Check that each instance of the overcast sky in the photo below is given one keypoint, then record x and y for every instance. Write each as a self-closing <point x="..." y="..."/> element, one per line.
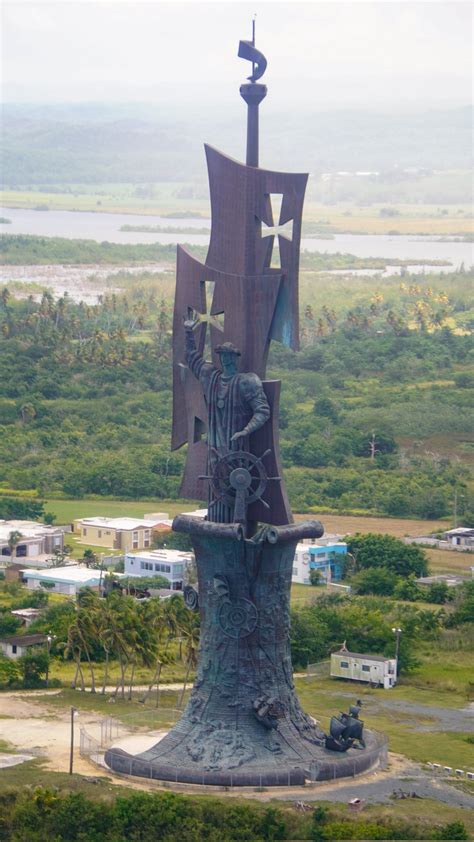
<point x="322" y="54"/>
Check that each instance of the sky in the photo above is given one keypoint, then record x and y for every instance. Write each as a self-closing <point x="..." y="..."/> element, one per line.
<point x="320" y="54"/>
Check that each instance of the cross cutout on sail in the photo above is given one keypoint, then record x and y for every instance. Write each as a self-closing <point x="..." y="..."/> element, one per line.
<point x="276" y="231"/>
<point x="207" y="317"/>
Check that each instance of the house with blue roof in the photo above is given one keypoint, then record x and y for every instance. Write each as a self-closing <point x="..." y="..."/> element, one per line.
<point x="327" y="556"/>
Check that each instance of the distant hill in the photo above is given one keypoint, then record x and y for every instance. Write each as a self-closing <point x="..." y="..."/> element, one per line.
<point x="73" y="144"/>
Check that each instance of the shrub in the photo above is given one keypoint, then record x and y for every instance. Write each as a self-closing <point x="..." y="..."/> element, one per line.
<point x="376" y="581"/>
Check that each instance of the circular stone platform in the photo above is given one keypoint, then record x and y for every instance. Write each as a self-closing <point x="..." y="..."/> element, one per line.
<point x="135" y="756"/>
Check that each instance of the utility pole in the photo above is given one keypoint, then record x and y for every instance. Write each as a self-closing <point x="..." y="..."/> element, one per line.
<point x="48" y="643"/>
<point x="397" y="645"/>
<point x="71" y="750"/>
<point x="101" y="556"/>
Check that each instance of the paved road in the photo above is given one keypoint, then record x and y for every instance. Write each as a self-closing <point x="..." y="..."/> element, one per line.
<point x="381" y="787"/>
<point x="442" y="719"/>
<point x="439" y="718"/>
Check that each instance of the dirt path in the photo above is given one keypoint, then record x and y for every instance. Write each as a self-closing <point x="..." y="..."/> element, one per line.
<point x="34" y="728"/>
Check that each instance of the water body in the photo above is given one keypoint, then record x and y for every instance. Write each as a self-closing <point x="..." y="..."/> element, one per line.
<point x="106" y="226"/>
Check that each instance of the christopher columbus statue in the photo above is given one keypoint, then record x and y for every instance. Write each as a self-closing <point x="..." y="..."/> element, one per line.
<point x="236" y="406"/>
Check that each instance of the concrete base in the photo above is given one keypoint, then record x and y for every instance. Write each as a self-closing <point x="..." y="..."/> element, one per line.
<point x="243" y="724"/>
<point x="135" y="756"/>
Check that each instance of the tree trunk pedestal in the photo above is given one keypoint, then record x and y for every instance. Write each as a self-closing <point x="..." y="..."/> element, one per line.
<point x="243" y="724"/>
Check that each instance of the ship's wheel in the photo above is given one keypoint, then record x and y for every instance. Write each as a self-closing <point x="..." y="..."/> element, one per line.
<point x="238" y="479"/>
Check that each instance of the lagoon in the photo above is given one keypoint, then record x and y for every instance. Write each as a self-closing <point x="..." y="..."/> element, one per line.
<point x="106" y="227"/>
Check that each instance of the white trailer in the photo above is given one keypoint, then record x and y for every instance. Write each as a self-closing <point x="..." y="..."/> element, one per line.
<point x="376" y="670"/>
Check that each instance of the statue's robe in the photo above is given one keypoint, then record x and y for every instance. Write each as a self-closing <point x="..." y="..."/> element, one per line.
<point x="233" y="404"/>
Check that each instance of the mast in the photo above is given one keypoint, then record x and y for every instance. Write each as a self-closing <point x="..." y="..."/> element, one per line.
<point x="253" y="94"/>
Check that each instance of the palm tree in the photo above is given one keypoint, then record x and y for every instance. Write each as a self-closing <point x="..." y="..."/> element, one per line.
<point x="89" y="557"/>
<point x="13" y="540"/>
<point x="74" y="648"/>
<point x="105" y="635"/>
<point x="123" y="635"/>
<point x="86" y="626"/>
<point x="159" y="652"/>
<point x="190" y="629"/>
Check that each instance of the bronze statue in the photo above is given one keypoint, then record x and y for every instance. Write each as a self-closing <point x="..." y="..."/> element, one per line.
<point x="243" y="724"/>
<point x="236" y="407"/>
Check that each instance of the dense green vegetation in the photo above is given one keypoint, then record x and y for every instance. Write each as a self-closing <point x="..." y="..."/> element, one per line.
<point x="365" y="623"/>
<point x="381" y="570"/>
<point x="26" y="249"/>
<point x="85" y="396"/>
<point x="48" y="813"/>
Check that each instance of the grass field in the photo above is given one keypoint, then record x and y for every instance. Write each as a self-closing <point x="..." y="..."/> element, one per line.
<point x="399" y="527"/>
<point x="322" y="697"/>
<point x="131" y="713"/>
<point x="304" y="594"/>
<point x="441" y="561"/>
<point x="68" y="510"/>
<point x="343" y="217"/>
<point x="65" y="670"/>
<point x="450" y="561"/>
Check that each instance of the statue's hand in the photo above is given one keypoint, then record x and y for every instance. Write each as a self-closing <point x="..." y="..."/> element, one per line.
<point x="240" y="435"/>
<point x="190" y="323"/>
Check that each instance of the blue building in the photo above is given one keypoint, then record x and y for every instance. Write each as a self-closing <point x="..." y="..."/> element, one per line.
<point x="328" y="558"/>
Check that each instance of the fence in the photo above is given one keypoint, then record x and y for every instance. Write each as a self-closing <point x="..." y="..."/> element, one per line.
<point x="375" y="756"/>
<point x="327" y="769"/>
<point x="89" y="747"/>
<point x="321" y="669"/>
<point x="110" y="729"/>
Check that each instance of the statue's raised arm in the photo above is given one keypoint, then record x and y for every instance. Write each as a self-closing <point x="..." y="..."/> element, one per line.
<point x="201" y="369"/>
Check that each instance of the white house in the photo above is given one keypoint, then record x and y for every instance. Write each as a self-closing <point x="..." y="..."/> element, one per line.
<point x="26" y="615"/>
<point x="201" y="513"/>
<point x="452" y="580"/>
<point x="168" y="563"/>
<point x="460" y="538"/>
<point x="37" y="542"/>
<point x="374" y="669"/>
<point x="65" y="580"/>
<point x="17" y="645"/>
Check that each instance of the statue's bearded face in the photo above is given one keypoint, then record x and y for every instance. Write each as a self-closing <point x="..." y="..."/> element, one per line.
<point x="228" y="361"/>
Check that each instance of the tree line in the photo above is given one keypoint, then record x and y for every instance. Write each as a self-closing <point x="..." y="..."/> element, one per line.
<point x="34" y="814"/>
<point x="85" y="400"/>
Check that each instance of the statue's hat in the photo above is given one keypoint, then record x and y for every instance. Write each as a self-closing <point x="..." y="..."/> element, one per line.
<point x="227" y="348"/>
